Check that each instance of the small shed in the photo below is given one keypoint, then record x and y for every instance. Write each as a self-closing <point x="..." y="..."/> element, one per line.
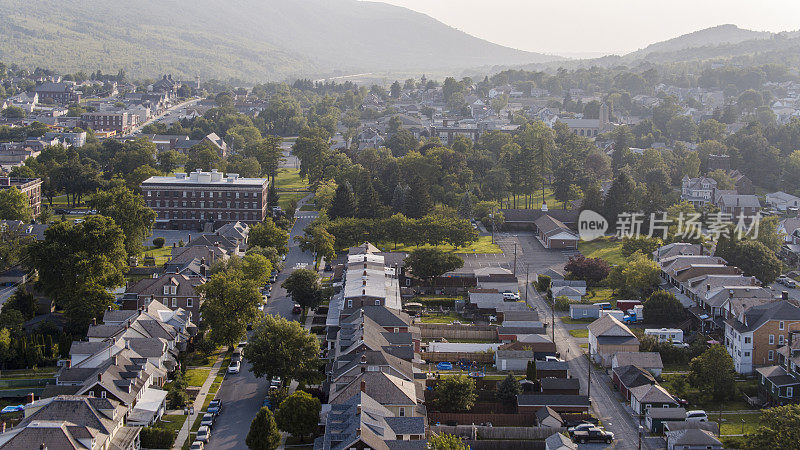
<point x="655" y="417"/>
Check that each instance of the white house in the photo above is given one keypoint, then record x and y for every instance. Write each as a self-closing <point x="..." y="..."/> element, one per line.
<point x="782" y="201"/>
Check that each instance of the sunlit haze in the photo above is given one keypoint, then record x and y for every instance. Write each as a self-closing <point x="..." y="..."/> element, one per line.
<point x="586" y="28"/>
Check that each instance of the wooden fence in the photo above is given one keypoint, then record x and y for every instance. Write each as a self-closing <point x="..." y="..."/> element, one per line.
<point x="498" y="420"/>
<point x="511" y="432"/>
<point x="505" y="445"/>
<point x="482" y="358"/>
<point x="446" y="331"/>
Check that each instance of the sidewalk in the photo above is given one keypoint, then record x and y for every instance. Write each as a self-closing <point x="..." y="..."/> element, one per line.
<point x="198" y="402"/>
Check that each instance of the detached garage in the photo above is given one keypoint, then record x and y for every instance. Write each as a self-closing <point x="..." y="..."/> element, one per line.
<point x="552" y="233"/>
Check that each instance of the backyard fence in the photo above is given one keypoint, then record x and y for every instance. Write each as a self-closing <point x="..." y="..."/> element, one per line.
<point x="498" y="432"/>
<point x="446" y="331"/>
<point x="487" y="358"/>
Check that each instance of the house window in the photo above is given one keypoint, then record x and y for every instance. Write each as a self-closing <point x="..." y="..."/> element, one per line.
<point x="780" y="325"/>
<point x="175" y="304"/>
<point x="746" y="354"/>
<point x="377" y="303"/>
<point x="747" y="340"/>
<point x="396" y="330"/>
<point x="770" y="355"/>
<point x="790" y="392"/>
<point x="780" y="339"/>
<point x="771" y="340"/>
<point x="102" y="394"/>
<point x="188" y="303"/>
<point x="403" y="411"/>
<point x="350" y="303"/>
<point x="166" y="290"/>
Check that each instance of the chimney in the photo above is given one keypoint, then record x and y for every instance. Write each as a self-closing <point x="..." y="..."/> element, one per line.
<point x="94" y="320"/>
<point x="358" y="411"/>
<point x="31" y="397"/>
<point x="99" y="377"/>
<point x="114" y="358"/>
<point x="785" y="296"/>
<point x="730" y="293"/>
<point x="363" y="386"/>
<point x="109" y="307"/>
<point x="708" y="287"/>
<point x="190" y="237"/>
<point x="69" y="363"/>
<point x="363" y="358"/>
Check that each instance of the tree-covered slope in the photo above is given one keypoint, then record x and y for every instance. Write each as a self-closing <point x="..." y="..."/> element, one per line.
<point x="245" y="39"/>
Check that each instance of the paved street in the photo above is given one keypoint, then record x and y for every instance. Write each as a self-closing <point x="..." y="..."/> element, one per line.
<point x="605" y="403"/>
<point x="242" y="394"/>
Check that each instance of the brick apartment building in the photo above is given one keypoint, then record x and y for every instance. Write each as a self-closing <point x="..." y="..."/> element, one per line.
<point x="205" y="200"/>
<point x="31" y="187"/>
<point x="121" y="122"/>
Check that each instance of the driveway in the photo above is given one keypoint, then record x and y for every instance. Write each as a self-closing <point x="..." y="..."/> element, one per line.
<point x="607" y="405"/>
<point x="242" y="394"/>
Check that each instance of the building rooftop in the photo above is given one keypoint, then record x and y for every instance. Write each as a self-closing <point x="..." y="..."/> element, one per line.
<point x="206" y="178"/>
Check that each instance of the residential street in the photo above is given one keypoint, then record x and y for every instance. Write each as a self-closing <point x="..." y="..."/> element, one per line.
<point x="242" y="394"/>
<point x="607" y="407"/>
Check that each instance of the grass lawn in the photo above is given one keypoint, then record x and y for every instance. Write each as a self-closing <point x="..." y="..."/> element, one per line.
<point x="161" y="255"/>
<point x="585" y="345"/>
<point x="196" y="377"/>
<point x="28" y="373"/>
<point x="482" y="245"/>
<point x="536" y="202"/>
<point x="198" y="358"/>
<point x="603" y="248"/>
<point x="443" y="318"/>
<point x="570" y="321"/>
<point x="172" y="422"/>
<point x="290" y="180"/>
<point x="579" y="333"/>
<point x="601" y="294"/>
<point x="732" y="423"/>
<point x="284" y="198"/>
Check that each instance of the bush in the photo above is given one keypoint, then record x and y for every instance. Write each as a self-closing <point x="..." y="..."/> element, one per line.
<point x="591" y="270"/>
<point x="543" y="283"/>
<point x="562" y="303"/>
<point x="158" y="242"/>
<point x="153" y="437"/>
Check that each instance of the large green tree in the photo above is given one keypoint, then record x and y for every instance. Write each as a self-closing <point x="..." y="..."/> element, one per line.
<point x="267" y="234"/>
<point x="129" y="211"/>
<point x="76" y="259"/>
<point x="780" y="428"/>
<point x="455" y="393"/>
<point x="344" y="202"/>
<point x="507" y="390"/>
<point x="231" y="302"/>
<point x="304" y="287"/>
<point x="264" y="433"/>
<point x="281" y="347"/>
<point x="444" y="441"/>
<point x="14" y="205"/>
<point x="429" y="263"/>
<point x="713" y="373"/>
<point x="662" y="307"/>
<point x="299" y="414"/>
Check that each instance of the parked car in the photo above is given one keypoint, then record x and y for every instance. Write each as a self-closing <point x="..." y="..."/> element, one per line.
<point x="215" y="407"/>
<point x="508" y="295"/>
<point x="696" y="415"/>
<point x="204" y="434"/>
<point x="197" y="445"/>
<point x="267" y="402"/>
<point x="235" y="367"/>
<point x="581" y="427"/>
<point x="297" y="309"/>
<point x="276" y="381"/>
<point x="241" y="344"/>
<point x="207" y="421"/>
<point x="593" y="434"/>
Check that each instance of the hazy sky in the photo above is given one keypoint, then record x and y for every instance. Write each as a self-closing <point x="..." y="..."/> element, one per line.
<point x="607" y="26"/>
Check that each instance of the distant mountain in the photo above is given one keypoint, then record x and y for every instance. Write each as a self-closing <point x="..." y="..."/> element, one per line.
<point x="709" y="37"/>
<point x="251" y="40"/>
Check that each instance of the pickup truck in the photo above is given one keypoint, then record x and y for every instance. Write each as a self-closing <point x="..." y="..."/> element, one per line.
<point x="593" y="435"/>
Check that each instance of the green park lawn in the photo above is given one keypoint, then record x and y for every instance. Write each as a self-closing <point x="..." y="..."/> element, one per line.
<point x="579" y="333"/>
<point x="172" y="422"/>
<point x="604" y="248"/>
<point x="482" y="245"/>
<point x="284" y="198"/>
<point x="290" y="180"/>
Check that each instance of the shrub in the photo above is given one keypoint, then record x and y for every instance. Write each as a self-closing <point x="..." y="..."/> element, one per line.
<point x="153" y="437"/>
<point x="562" y="303"/>
<point x="159" y="242"/>
<point x="591" y="270"/>
<point x="543" y="283"/>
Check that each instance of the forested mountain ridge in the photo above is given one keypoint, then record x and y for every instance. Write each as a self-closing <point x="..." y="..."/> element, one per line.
<point x="252" y="40"/>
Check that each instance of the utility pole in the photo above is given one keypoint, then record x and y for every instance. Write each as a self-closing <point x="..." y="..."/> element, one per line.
<point x="589" y="385"/>
<point x="553" y="320"/>
<point x="527" y="282"/>
<point x="515" y="259"/>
